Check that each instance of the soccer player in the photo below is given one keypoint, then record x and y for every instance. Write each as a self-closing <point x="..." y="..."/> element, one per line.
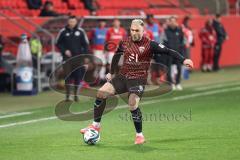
<point x="98" y="39"/>
<point x="114" y="35"/>
<point x="137" y="51"/>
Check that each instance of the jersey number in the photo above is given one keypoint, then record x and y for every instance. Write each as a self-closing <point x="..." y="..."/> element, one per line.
<point x="133" y="57"/>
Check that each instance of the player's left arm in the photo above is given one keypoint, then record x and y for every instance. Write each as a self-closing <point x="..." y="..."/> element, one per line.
<point x="115" y="61"/>
<point x="161" y="49"/>
<point x="116" y="58"/>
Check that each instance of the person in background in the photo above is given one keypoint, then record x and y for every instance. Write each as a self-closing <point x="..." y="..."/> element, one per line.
<point x="114" y="35"/>
<point x="5" y="71"/>
<point x="48" y="10"/>
<point x="157" y="31"/>
<point x="89" y="5"/>
<point x="188" y="36"/>
<point x="174" y="39"/>
<point x="221" y="37"/>
<point x="188" y="42"/>
<point x="207" y="36"/>
<point x="148" y="33"/>
<point x="34" y="4"/>
<point x="72" y="41"/>
<point x="36" y="50"/>
<point x="98" y="38"/>
<point x="154" y="27"/>
<point x="1" y="49"/>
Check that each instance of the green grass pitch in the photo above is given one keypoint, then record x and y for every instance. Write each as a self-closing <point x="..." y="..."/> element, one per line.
<point x="201" y="122"/>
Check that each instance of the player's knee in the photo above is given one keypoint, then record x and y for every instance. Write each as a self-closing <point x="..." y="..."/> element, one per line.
<point x="100" y="94"/>
<point x="132" y="102"/>
<point x="103" y="93"/>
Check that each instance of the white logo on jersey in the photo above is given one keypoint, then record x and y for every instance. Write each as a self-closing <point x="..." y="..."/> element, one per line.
<point x="161" y="45"/>
<point x="67" y="34"/>
<point x="77" y="33"/>
<point x="141" y="49"/>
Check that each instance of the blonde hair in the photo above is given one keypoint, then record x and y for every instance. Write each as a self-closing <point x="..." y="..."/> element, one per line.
<point x="138" y="21"/>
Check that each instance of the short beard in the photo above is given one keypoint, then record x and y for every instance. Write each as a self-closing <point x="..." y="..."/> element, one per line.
<point x="135" y="39"/>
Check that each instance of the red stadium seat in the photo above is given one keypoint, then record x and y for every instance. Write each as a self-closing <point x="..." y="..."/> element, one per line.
<point x="175" y="3"/>
<point x="232" y="6"/>
<point x="108" y="12"/>
<point x="159" y="3"/>
<point x="73" y="4"/>
<point x="193" y="11"/>
<point x="80" y="12"/>
<point x="186" y="3"/>
<point x="113" y="7"/>
<point x="166" y="11"/>
<point x="123" y="4"/>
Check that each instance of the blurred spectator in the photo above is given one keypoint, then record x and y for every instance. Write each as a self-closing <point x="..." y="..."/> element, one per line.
<point x="188" y="43"/>
<point x="221" y="37"/>
<point x="188" y="36"/>
<point x="154" y="27"/>
<point x="174" y="39"/>
<point x="208" y="38"/>
<point x="34" y="4"/>
<point x="72" y="41"/>
<point x="148" y="33"/>
<point x="88" y="4"/>
<point x="36" y="50"/>
<point x="156" y="30"/>
<point x="98" y="38"/>
<point x="165" y="24"/>
<point x="5" y="79"/>
<point x="1" y="49"/>
<point x="48" y="10"/>
<point x="114" y="35"/>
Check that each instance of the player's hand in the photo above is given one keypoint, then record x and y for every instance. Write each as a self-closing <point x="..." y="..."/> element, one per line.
<point x="108" y="77"/>
<point x="188" y="63"/>
<point x="68" y="53"/>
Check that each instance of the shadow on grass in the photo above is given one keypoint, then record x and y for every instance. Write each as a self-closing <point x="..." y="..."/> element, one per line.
<point x="172" y="140"/>
<point x="150" y="145"/>
<point x="144" y="148"/>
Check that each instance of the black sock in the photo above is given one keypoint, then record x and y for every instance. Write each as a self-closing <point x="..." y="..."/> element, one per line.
<point x="75" y="90"/>
<point x="99" y="107"/>
<point x="67" y="91"/>
<point x="137" y="119"/>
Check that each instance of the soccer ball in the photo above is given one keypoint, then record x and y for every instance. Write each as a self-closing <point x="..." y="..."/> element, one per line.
<point x="91" y="137"/>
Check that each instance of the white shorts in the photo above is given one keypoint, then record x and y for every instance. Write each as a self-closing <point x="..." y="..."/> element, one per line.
<point x="110" y="57"/>
<point x="100" y="54"/>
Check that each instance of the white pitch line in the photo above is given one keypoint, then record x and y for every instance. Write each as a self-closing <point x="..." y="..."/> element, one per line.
<point x="215" y="86"/>
<point x="27" y="122"/>
<point x="192" y="95"/>
<point x="197" y="88"/>
<point x="15" y="114"/>
<point x="125" y="106"/>
<point x="206" y="93"/>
